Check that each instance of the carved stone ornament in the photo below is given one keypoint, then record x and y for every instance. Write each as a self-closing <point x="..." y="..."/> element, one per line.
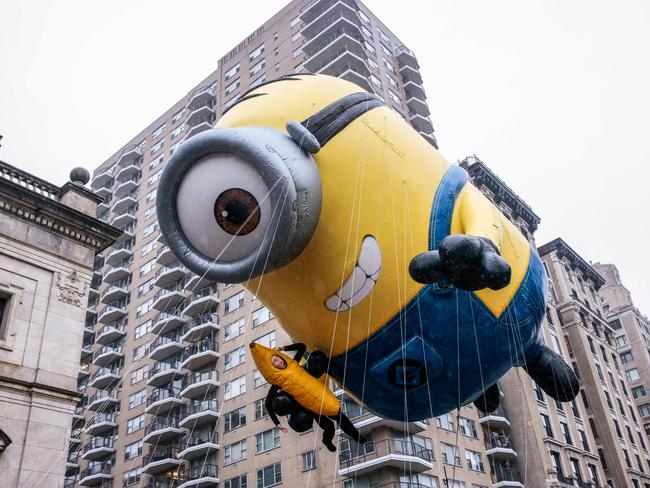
<point x="71" y="289"/>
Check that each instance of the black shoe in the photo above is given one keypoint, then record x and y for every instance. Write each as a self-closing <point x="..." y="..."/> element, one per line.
<point x="362" y="439"/>
<point x="331" y="447"/>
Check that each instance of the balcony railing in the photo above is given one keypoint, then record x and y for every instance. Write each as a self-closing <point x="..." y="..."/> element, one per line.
<point x="498" y="440"/>
<point x="162" y="394"/>
<point x="162" y="366"/>
<point x="372" y="451"/>
<point x="102" y="468"/>
<point x="162" y="423"/>
<point x="206" y="344"/>
<point x="500" y="474"/>
<point x="165" y="339"/>
<point x="200" y="376"/>
<point x="22" y="178"/>
<point x="105" y="372"/>
<point x="97" y="443"/>
<point x="198" y="472"/>
<point x="98" y="418"/>
<point x="210" y="404"/>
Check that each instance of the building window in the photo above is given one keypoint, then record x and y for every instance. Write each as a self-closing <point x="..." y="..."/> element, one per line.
<point x="234" y="358"/>
<point x="153" y="179"/>
<point x="593" y="472"/>
<point x="389" y="65"/>
<point x="257" y="68"/>
<point x="140" y="351"/>
<point x="159" y="131"/>
<point x="446" y="422"/>
<point x="546" y="422"/>
<point x="232" y="72"/>
<point x="234" y="388"/>
<point x="375" y="80"/>
<point x="133" y="450"/>
<point x="632" y="374"/>
<point x="139" y="374"/>
<point x="387" y="51"/>
<point x="450" y="454"/>
<point x="155" y="162"/>
<point x="394" y="97"/>
<point x="567" y="433"/>
<point x="142" y="329"/>
<point x="295" y="37"/>
<point x="258" y="81"/>
<point x="150" y="229"/>
<point x="258" y="379"/>
<point x="260" y="316"/>
<point x="131" y="477"/>
<point x="176" y="117"/>
<point x="294" y="22"/>
<point x="137" y="398"/>
<point x="234" y="419"/>
<point x="577" y="473"/>
<point x="144" y="307"/>
<point x="370" y="47"/>
<point x="583" y="440"/>
<point x="151" y="196"/>
<point x="177" y="131"/>
<point x="373" y="64"/>
<point x="621" y="341"/>
<point x="265" y="441"/>
<point x="237" y="482"/>
<point x="644" y="410"/>
<point x="150" y="212"/>
<point x="234" y="452"/>
<point x="260" y="409"/>
<point x="135" y="424"/>
<point x="255" y="53"/>
<point x="234" y="302"/>
<point x="297" y="52"/>
<point x="468" y="427"/>
<point x="627" y="357"/>
<point x="557" y="464"/>
<point x="233" y="86"/>
<point x="156" y="147"/>
<point x="148" y="247"/>
<point x="267" y="340"/>
<point x="638" y="391"/>
<point x="308" y="461"/>
<point x="474" y="461"/>
<point x="234" y="329"/>
<point x="5" y="299"/>
<point x="269" y="476"/>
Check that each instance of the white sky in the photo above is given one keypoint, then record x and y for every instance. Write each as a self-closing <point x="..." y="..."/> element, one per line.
<point x="553" y="95"/>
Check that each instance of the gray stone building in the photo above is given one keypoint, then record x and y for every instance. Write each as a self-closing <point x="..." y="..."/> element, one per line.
<point x="48" y="240"/>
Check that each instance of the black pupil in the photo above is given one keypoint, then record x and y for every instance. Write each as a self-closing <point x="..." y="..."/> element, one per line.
<point x="237" y="211"/>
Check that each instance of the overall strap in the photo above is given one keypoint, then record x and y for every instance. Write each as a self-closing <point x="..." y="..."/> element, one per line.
<point x="443" y="204"/>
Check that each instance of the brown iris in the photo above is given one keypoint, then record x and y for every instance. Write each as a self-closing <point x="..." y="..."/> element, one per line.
<point x="237" y="212"/>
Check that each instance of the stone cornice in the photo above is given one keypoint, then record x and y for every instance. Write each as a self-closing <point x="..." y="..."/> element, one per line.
<point x="482" y="175"/>
<point x="564" y="251"/>
<point x="45" y="211"/>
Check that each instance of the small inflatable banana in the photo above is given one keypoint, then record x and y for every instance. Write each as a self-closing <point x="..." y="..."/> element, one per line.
<point x="365" y="243"/>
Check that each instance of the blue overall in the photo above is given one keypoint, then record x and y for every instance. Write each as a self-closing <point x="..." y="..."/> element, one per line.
<point x="445" y="347"/>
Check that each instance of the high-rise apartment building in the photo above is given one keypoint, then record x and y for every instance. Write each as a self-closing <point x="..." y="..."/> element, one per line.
<point x="632" y="336"/>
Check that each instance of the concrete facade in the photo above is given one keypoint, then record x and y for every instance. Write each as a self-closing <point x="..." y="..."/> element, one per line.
<point x="47" y="250"/>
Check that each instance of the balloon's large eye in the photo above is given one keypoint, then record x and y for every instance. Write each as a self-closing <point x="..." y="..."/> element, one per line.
<point x="223" y="207"/>
<point x="237" y="212"/>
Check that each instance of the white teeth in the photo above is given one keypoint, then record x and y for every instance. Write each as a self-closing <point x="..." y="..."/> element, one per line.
<point x="362" y="279"/>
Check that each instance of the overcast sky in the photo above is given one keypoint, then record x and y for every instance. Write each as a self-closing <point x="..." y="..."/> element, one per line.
<point x="553" y="95"/>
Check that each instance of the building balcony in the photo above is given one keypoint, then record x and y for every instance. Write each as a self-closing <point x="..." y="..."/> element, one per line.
<point x="126" y="186"/>
<point x="78" y="419"/>
<point x="111" y="313"/>
<point x="393" y="453"/>
<point x="117" y="272"/>
<point x="120" y="253"/>
<point x="161" y="481"/>
<point x="98" y="448"/>
<point x="343" y="38"/>
<point x="321" y="14"/>
<point x="101" y="423"/>
<point x="104" y="206"/>
<point x="417" y="105"/>
<point x="104" y="179"/>
<point x="93" y="289"/>
<point x="166" y="322"/>
<point x="167" y="275"/>
<point x="201" y="326"/>
<point x="203" y="301"/>
<point x="430" y="138"/>
<point x="200" y="112"/>
<point x="420" y="122"/>
<point x="115" y="292"/>
<point x="200" y="384"/>
<point x="103" y="377"/>
<point x="111" y="332"/>
<point x="107" y="354"/>
<point x="410" y="72"/>
<point x="199" y="445"/>
<point x="129" y="156"/>
<point x="200" y="412"/>
<point x="352" y="72"/>
<point x="75" y="438"/>
<point x="103" y="400"/>
<point x="202" y="476"/>
<point x="338" y="58"/>
<point x="72" y="463"/>
<point x="499" y="447"/>
<point x="165" y="256"/>
<point x="169" y="297"/>
<point x="103" y="192"/>
<point x="406" y="56"/>
<point x="128" y="232"/>
<point x="162" y="400"/>
<point x="413" y="89"/>
<point x="200" y="125"/>
<point x="496" y="419"/>
<point x="161" y="459"/>
<point x="125" y="202"/>
<point x="86" y="345"/>
<point x="84" y="371"/>
<point x="162" y="429"/>
<point x="128" y="171"/>
<point x="165" y="346"/>
<point x="202" y="95"/>
<point x="124" y="218"/>
<point x="199" y="354"/>
<point x="97" y="475"/>
<point x="505" y="478"/>
<point x="368" y="422"/>
<point x="196" y="282"/>
<point x="164" y="372"/>
<point x="343" y="23"/>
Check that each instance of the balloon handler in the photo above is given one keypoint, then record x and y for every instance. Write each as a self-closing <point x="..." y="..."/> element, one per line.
<point x="301" y="393"/>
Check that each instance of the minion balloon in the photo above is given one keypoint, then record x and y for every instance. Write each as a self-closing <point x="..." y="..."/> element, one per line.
<point x="366" y="244"/>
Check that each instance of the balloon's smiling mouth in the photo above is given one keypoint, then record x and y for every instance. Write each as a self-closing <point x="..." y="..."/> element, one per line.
<point x="361" y="281"/>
